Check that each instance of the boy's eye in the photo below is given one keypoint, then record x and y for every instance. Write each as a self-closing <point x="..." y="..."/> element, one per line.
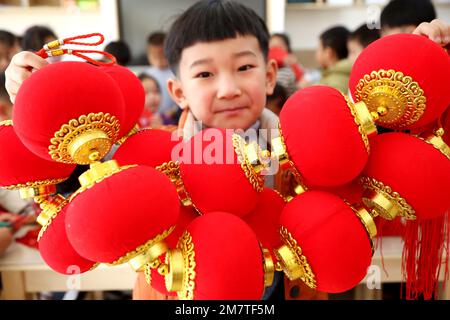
<point x="204" y="75"/>
<point x="245" y="68"/>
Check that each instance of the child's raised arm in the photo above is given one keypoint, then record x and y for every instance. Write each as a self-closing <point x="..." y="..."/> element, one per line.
<point x="437" y="30"/>
<point x="20" y="69"/>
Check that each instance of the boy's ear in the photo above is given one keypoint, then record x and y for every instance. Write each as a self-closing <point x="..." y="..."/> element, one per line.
<point x="176" y="92"/>
<point x="271" y="76"/>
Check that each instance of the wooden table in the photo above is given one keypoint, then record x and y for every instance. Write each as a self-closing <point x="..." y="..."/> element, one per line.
<point x="23" y="272"/>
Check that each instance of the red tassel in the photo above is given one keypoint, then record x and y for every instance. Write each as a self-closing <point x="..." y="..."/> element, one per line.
<point x="424" y="256"/>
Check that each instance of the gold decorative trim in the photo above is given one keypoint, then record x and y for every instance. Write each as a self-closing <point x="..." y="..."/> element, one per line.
<point x="149" y="257"/>
<point x="95" y="265"/>
<point x="186" y="246"/>
<point x="77" y="140"/>
<point x="88" y="183"/>
<point x="142" y="248"/>
<point x="269" y="267"/>
<point x="363" y="119"/>
<point x="6" y="123"/>
<point x="401" y="99"/>
<point x="280" y="150"/>
<point x="385" y="201"/>
<point x="437" y="142"/>
<point x="35" y="184"/>
<point x="148" y="274"/>
<point x="130" y="133"/>
<point x="172" y="170"/>
<point x="255" y="179"/>
<point x="367" y="221"/>
<point x="50" y="210"/>
<point x="296" y="266"/>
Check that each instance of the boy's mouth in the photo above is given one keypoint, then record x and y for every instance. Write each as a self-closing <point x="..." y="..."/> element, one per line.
<point x="231" y="109"/>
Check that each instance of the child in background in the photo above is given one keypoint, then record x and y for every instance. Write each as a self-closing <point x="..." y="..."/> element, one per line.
<point x="120" y="50"/>
<point x="359" y="39"/>
<point x="332" y="57"/>
<point x="150" y="116"/>
<point x="5" y="103"/>
<point x="277" y="99"/>
<point x="9" y="46"/>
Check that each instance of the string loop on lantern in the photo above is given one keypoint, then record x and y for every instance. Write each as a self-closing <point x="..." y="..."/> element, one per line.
<point x="54" y="49"/>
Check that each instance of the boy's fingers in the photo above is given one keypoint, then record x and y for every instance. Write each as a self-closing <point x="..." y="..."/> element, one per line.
<point x="12" y="88"/>
<point x="26" y="59"/>
<point x="437" y="31"/>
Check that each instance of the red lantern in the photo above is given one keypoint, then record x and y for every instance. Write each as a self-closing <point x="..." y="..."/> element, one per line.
<point x="407" y="176"/>
<point x="265" y="218"/>
<point x="324" y="136"/>
<point x="351" y="192"/>
<point x="54" y="245"/>
<point x="22" y="169"/>
<point x="446" y="126"/>
<point x="133" y="95"/>
<point x="325" y="242"/>
<point x="157" y="280"/>
<point x="218" y="257"/>
<point x="149" y="147"/>
<point x="116" y="215"/>
<point x="217" y="173"/>
<point x="404" y="79"/>
<point x="69" y="112"/>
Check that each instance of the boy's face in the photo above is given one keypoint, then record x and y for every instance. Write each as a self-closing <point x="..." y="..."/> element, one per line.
<point x="354" y="49"/>
<point x="224" y="83"/>
<point x="156" y="57"/>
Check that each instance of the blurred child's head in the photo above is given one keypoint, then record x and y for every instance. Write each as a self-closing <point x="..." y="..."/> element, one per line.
<point x="9" y="46"/>
<point x="332" y="46"/>
<point x="35" y="37"/>
<point x="155" y="50"/>
<point x="5" y="103"/>
<point x="277" y="99"/>
<point x="360" y="39"/>
<point x="218" y="52"/>
<point x="152" y="92"/>
<point x="120" y="50"/>
<point x="403" y="16"/>
<point x="280" y="40"/>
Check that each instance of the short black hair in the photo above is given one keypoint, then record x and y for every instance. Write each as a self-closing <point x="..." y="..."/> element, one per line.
<point x="336" y="39"/>
<point x="120" y="50"/>
<point x="364" y="35"/>
<point x="400" y="13"/>
<point x="285" y="38"/>
<point x="34" y="38"/>
<point x="213" y="20"/>
<point x="156" y="38"/>
<point x="7" y="38"/>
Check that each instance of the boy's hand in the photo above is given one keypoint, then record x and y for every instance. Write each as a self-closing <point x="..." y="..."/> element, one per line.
<point x="20" y="69"/>
<point x="435" y="30"/>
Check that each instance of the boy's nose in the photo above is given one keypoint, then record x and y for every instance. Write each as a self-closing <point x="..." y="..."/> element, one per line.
<point x="228" y="88"/>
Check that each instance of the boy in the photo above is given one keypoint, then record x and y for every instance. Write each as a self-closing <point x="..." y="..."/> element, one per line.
<point x="403" y="16"/>
<point x="159" y="69"/>
<point x="332" y="57"/>
<point x="217" y="50"/>
<point x="359" y="39"/>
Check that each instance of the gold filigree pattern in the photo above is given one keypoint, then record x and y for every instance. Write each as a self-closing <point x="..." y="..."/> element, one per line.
<point x="51" y="210"/>
<point x="398" y="93"/>
<point x="186" y="245"/>
<point x="394" y="198"/>
<point x="253" y="177"/>
<point x="172" y="170"/>
<point x="142" y="248"/>
<point x="286" y="162"/>
<point x="6" y="123"/>
<point x="35" y="184"/>
<point x="62" y="144"/>
<point x="148" y="274"/>
<point x="308" y="276"/>
<point x="437" y="142"/>
<point x="359" y="123"/>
